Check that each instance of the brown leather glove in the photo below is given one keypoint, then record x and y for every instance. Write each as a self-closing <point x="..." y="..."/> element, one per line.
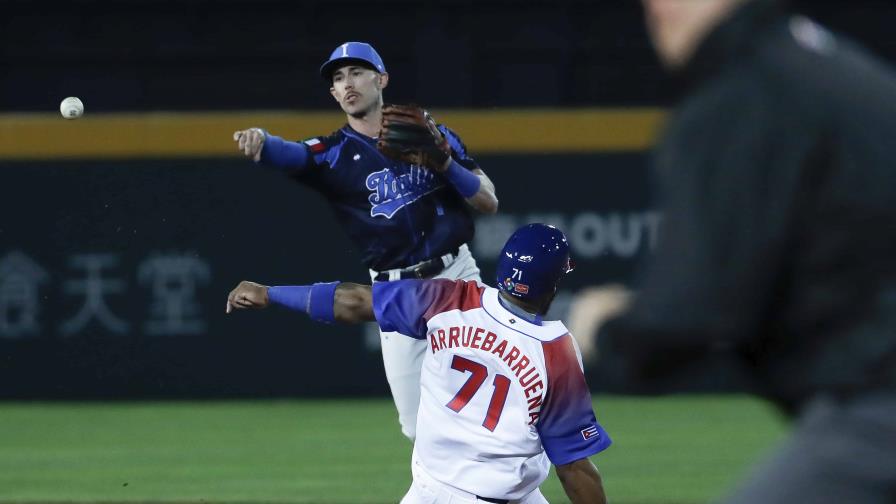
<point x="409" y="134"/>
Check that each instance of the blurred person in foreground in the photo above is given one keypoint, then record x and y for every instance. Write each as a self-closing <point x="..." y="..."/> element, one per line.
<point x="778" y="248"/>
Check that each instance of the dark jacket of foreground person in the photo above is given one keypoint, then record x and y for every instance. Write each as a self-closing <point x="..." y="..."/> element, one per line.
<point x="777" y="176"/>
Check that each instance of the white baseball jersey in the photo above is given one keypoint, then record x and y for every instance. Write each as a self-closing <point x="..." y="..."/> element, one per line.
<point x="501" y="397"/>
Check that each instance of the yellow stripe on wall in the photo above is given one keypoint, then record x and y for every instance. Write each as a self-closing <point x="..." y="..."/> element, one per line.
<point x="210" y="134"/>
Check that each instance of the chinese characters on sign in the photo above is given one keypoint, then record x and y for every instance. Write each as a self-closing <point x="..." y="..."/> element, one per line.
<point x="20" y="279"/>
<point x="171" y="281"/>
<point x="94" y="288"/>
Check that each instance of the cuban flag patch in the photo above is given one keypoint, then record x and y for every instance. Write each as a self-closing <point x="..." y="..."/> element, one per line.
<point x="316" y="145"/>
<point x="590" y="432"/>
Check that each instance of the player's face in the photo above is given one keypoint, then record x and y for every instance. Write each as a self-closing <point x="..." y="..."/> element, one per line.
<point x="358" y="90"/>
<point x="676" y="27"/>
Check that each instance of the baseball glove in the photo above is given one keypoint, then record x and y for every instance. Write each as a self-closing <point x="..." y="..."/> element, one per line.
<point x="410" y="134"/>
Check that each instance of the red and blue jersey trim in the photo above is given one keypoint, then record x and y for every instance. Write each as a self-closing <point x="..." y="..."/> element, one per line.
<point x="567" y="426"/>
<point x="405" y="306"/>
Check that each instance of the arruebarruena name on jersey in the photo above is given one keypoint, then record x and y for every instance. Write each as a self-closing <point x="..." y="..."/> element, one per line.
<point x="484" y="340"/>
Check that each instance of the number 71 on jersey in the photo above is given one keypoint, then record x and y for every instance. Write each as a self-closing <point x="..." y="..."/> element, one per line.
<point x="473" y="383"/>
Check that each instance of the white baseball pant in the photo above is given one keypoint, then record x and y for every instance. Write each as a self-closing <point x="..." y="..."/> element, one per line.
<point x="403" y="356"/>
<point x="427" y="490"/>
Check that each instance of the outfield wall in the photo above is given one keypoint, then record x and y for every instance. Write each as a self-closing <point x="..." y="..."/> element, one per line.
<point x="114" y="274"/>
<point x="117" y="252"/>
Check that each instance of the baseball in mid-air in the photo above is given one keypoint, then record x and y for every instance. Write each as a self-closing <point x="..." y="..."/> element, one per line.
<point x="71" y="107"/>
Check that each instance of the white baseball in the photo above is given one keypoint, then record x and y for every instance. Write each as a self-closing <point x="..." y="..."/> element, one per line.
<point x="71" y="107"/>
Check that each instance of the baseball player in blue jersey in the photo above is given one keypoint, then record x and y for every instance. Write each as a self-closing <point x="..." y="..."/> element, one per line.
<point x="409" y="219"/>
<point x="503" y="395"/>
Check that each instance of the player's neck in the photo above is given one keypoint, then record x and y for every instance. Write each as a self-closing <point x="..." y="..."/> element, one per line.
<point x="516" y="305"/>
<point x="368" y="124"/>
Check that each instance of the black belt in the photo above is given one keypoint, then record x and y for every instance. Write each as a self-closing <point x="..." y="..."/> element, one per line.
<point x="425" y="269"/>
<point x="496" y="501"/>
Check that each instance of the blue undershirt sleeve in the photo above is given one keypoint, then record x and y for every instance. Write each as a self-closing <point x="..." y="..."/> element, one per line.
<point x="464" y="181"/>
<point x="280" y="153"/>
<point x="315" y="300"/>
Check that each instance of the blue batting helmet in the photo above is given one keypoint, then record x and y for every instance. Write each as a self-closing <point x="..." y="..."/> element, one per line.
<point x="532" y="261"/>
<point x="357" y="51"/>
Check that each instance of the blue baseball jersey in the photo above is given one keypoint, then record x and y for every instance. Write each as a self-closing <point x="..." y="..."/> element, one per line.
<point x="398" y="214"/>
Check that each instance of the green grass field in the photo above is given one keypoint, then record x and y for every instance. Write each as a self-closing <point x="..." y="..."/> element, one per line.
<point x="666" y="450"/>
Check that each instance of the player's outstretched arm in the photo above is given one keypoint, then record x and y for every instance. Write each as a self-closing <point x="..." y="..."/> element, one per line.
<point x="582" y="482"/>
<point x="262" y="147"/>
<point x="353" y="303"/>
<point x="325" y="302"/>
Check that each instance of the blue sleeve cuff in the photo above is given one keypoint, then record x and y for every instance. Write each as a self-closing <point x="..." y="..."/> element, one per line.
<point x="562" y="451"/>
<point x="322" y="300"/>
<point x="294" y="297"/>
<point x="315" y="300"/>
<point x="464" y="181"/>
<point x="283" y="154"/>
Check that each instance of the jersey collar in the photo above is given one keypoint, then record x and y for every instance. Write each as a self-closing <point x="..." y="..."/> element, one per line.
<point x="352" y="132"/>
<point x="548" y="330"/>
<point x="533" y="318"/>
